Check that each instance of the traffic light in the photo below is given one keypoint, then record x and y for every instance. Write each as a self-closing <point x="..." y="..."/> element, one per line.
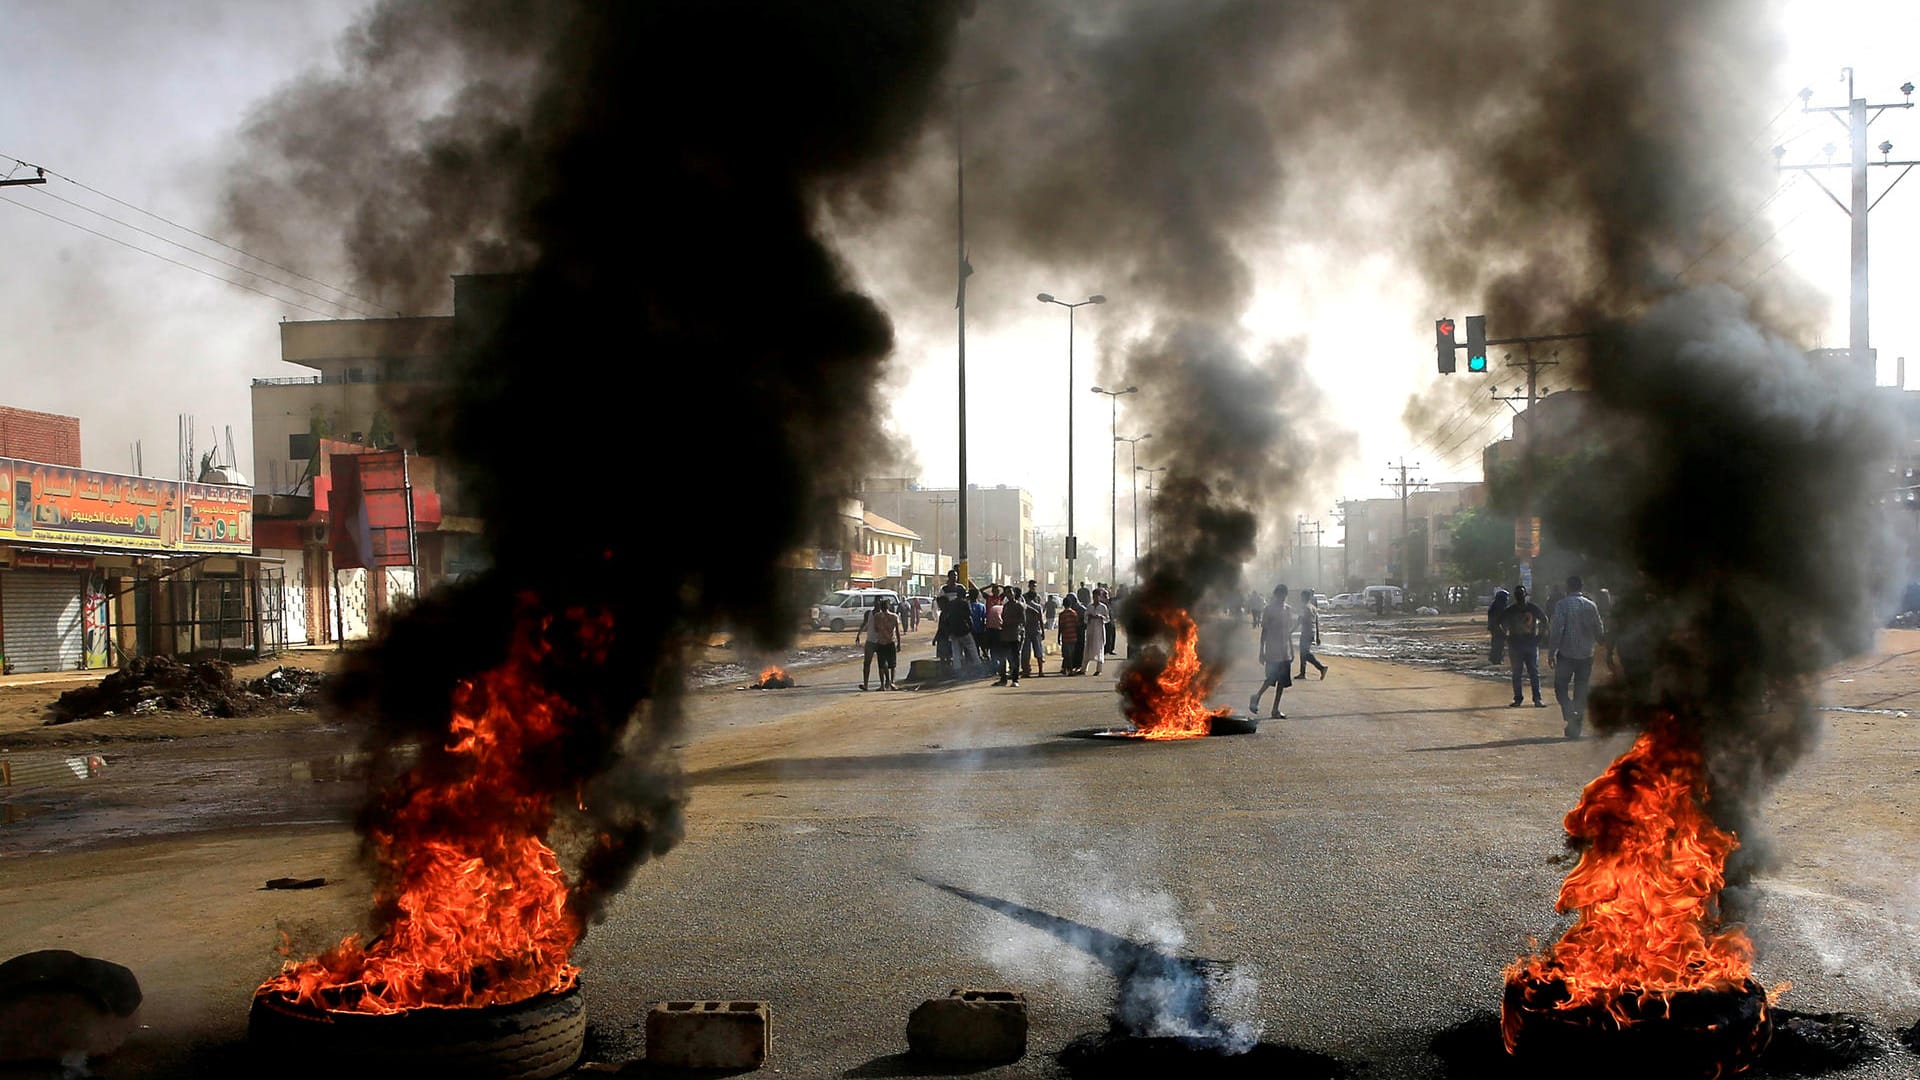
<point x="1443" y="344"/>
<point x="1476" y="343"/>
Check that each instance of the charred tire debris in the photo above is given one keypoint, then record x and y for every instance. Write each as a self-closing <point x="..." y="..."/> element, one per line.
<point x="533" y="1039"/>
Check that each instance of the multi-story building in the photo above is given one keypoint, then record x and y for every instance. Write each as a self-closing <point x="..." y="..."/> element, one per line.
<point x="371" y="378"/>
<point x="999" y="524"/>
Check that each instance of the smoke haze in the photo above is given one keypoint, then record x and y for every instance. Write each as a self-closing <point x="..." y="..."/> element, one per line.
<point x="667" y="172"/>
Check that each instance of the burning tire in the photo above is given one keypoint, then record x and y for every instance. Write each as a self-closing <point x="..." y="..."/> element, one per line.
<point x="533" y="1039"/>
<point x="1697" y="1033"/>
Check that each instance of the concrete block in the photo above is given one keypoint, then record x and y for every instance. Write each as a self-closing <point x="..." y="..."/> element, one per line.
<point x="970" y="1025"/>
<point x="708" y="1034"/>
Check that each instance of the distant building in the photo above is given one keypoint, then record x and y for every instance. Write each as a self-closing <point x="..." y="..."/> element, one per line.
<point x="38" y="436"/>
<point x="1374" y="533"/>
<point x="1000" y="539"/>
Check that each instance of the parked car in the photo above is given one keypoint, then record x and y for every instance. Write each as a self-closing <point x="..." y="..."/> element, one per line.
<point x="1347" y="600"/>
<point x="843" y="610"/>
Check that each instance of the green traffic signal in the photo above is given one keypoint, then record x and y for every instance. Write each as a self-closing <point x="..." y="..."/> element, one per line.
<point x="1476" y="363"/>
<point x="1476" y="343"/>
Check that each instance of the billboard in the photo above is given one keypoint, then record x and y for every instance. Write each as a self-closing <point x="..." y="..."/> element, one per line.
<point x="57" y="504"/>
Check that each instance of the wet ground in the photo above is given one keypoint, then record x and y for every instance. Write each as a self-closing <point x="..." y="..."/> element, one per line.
<point x="1455" y="643"/>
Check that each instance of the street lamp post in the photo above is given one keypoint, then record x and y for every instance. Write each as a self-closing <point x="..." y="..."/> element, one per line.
<point x="1073" y="541"/>
<point x="961" y="272"/>
<point x="1113" y="475"/>
<point x="1151" y="471"/>
<point x="1133" y="448"/>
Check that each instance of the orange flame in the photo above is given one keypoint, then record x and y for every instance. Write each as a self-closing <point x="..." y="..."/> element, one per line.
<point x="772" y="672"/>
<point x="1646" y="889"/>
<point x="1168" y="699"/>
<point x="477" y="903"/>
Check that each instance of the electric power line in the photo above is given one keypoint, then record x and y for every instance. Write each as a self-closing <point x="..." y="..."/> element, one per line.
<point x="375" y="304"/>
<point x="165" y="258"/>
<point x="205" y="255"/>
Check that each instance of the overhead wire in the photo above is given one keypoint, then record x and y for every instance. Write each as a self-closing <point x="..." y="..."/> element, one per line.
<point x="375" y="304"/>
<point x="166" y="258"/>
<point x="357" y="310"/>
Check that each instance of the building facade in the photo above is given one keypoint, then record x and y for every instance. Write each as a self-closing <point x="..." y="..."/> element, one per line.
<point x="1000" y="540"/>
<point x="39" y="436"/>
<point x="96" y="568"/>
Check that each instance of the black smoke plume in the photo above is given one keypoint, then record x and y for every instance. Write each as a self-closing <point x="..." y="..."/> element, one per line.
<point x="672" y="326"/>
<point x="1561" y="166"/>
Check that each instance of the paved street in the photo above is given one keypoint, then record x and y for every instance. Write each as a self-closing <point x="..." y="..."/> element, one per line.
<point x="1371" y="862"/>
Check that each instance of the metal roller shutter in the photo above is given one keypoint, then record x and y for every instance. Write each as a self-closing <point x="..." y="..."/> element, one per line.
<point x="41" y="612"/>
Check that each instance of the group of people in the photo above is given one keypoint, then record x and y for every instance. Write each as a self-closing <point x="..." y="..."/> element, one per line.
<point x="1005" y="627"/>
<point x="1280" y="631"/>
<point x="1572" y="634"/>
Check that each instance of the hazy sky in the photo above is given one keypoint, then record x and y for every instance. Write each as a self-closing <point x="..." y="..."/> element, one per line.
<point x="141" y="101"/>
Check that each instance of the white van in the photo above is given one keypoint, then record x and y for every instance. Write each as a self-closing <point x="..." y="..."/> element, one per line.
<point x="843" y="610"/>
<point x="1372" y="594"/>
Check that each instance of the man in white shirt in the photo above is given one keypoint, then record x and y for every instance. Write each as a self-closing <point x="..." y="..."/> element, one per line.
<point x="1276" y="652"/>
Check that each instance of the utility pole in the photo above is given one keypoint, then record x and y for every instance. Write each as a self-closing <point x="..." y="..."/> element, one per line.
<point x="1859" y="114"/>
<point x="1526" y="530"/>
<point x="1133" y="447"/>
<point x="1300" y="527"/>
<point x="962" y="270"/>
<point x="1151" y="471"/>
<point x="39" y="177"/>
<point x="1405" y="487"/>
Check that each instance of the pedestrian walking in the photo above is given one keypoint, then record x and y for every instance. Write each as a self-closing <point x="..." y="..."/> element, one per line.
<point x="1086" y="596"/>
<point x="1309" y="634"/>
<point x="885" y="635"/>
<point x="1006" y="622"/>
<point x="1497" y="624"/>
<point x="1052" y="610"/>
<point x="1276" y="651"/>
<point x="872" y="646"/>
<point x="1524" y="623"/>
<point x="1035" y="647"/>
<point x="1577" y="630"/>
<point x="1071" y="626"/>
<point x="1110" y="640"/>
<point x="1098" y="619"/>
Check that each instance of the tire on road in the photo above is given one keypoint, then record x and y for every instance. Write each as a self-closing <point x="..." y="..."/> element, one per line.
<point x="837" y="625"/>
<point x="534" y="1039"/>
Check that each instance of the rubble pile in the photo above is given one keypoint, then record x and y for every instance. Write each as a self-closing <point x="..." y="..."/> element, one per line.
<point x="151" y="684"/>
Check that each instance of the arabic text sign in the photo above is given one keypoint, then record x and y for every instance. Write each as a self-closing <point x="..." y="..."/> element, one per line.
<point x="56" y="504"/>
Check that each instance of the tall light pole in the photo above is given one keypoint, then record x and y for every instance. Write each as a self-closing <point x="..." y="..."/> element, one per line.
<point x="1150" y="470"/>
<point x="1133" y="448"/>
<point x="1073" y="542"/>
<point x="1113" y="476"/>
<point x="961" y="272"/>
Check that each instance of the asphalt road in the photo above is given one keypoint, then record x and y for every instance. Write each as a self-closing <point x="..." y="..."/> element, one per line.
<point x="1360" y="871"/>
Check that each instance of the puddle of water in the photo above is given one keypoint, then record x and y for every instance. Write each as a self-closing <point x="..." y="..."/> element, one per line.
<point x="11" y="813"/>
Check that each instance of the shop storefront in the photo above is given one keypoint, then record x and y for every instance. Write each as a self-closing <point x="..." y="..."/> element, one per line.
<point x="96" y="567"/>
